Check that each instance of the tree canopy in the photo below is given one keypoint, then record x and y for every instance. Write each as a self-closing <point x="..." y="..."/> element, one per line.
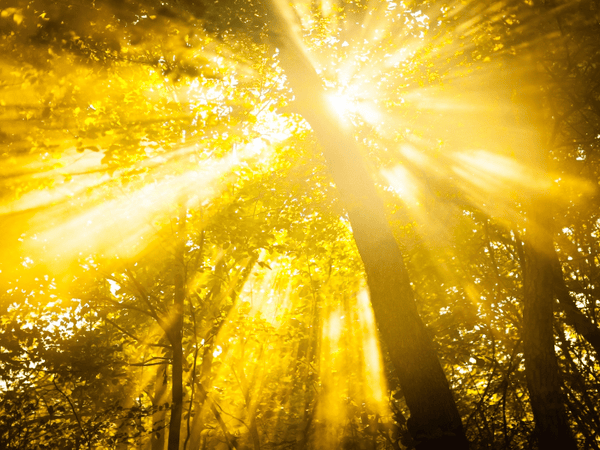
<point x="299" y="225"/>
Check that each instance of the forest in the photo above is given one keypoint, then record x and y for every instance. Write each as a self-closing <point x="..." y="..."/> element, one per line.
<point x="299" y="225"/>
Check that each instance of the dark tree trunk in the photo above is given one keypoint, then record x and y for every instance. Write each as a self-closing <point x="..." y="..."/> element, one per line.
<point x="435" y="422"/>
<point x="177" y="398"/>
<point x="541" y="366"/>
<point x="175" y="336"/>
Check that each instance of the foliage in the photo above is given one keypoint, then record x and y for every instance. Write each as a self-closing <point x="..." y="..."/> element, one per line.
<point x="117" y="116"/>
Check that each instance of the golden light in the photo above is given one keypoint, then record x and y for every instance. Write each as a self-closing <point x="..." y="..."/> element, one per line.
<point x="342" y="104"/>
<point x="375" y="382"/>
<point x="117" y="224"/>
<point x="404" y="183"/>
<point x="432" y="145"/>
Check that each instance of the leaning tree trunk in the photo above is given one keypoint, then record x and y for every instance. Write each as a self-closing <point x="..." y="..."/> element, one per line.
<point x="435" y="422"/>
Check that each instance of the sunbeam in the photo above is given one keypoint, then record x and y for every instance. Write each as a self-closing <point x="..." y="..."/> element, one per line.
<point x="185" y="263"/>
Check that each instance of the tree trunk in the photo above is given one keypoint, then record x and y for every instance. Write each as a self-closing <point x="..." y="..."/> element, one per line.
<point x="435" y="422"/>
<point x="175" y="335"/>
<point x="541" y="366"/>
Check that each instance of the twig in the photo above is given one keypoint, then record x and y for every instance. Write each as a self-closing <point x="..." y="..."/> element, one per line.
<point x="74" y="413"/>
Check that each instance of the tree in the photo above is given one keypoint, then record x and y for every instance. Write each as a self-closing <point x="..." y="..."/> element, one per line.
<point x="435" y="419"/>
<point x="273" y="335"/>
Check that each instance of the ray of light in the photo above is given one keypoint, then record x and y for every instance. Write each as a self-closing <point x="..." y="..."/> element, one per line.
<point x="373" y="374"/>
<point x="115" y="221"/>
<point x="118" y="225"/>
<point x="122" y="224"/>
<point x="350" y="340"/>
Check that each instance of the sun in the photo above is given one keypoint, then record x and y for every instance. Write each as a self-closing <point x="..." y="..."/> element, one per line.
<point x="343" y="105"/>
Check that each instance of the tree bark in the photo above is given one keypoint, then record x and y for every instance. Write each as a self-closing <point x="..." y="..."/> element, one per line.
<point x="435" y="422"/>
<point x="175" y="335"/>
<point x="541" y="366"/>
